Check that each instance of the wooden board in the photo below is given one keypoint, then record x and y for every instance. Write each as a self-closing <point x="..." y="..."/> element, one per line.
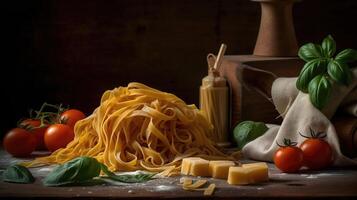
<point x="332" y="183"/>
<point x="250" y="105"/>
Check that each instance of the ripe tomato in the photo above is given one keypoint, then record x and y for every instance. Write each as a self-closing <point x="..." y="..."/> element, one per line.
<point x="39" y="132"/>
<point x="317" y="153"/>
<point x="70" y="117"/>
<point x="288" y="158"/>
<point x="20" y="142"/>
<point x="58" y="136"/>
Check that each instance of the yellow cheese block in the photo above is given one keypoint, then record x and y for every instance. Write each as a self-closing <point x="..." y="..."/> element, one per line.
<point x="248" y="174"/>
<point x="262" y="164"/>
<point x="238" y="176"/>
<point x="219" y="168"/>
<point x="186" y="165"/>
<point x="259" y="171"/>
<point x="199" y="167"/>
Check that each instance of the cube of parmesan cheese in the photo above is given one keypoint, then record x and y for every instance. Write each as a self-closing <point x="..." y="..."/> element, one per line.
<point x="199" y="167"/>
<point x="260" y="171"/>
<point x="248" y="174"/>
<point x="262" y="164"/>
<point x="238" y="176"/>
<point x="187" y="164"/>
<point x="219" y="168"/>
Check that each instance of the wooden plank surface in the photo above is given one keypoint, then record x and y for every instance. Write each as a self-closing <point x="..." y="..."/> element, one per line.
<point x="248" y="104"/>
<point x="331" y="183"/>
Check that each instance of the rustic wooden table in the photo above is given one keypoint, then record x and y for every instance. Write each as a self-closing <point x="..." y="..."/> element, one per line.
<point x="332" y="183"/>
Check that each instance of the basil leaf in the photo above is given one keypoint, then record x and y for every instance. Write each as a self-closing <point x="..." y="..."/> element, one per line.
<point x="247" y="131"/>
<point x="319" y="90"/>
<point x="347" y="56"/>
<point x="310" y="51"/>
<point x="329" y="46"/>
<point x="137" y="178"/>
<point x="339" y="72"/>
<point x="308" y="72"/>
<point x="17" y="174"/>
<point x="76" y="171"/>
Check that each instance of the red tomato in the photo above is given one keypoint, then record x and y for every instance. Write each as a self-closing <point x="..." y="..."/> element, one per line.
<point x="58" y="136"/>
<point x="288" y="159"/>
<point x="317" y="153"/>
<point x="70" y="117"/>
<point x="39" y="132"/>
<point x="20" y="142"/>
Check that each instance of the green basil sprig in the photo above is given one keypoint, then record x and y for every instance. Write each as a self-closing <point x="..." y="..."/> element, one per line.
<point x="347" y="56"/>
<point x="128" y="178"/>
<point x="310" y="51"/>
<point x="321" y="70"/>
<point x="319" y="90"/>
<point x="339" y="72"/>
<point x="17" y="174"/>
<point x="76" y="171"/>
<point x="310" y="70"/>
<point x="83" y="170"/>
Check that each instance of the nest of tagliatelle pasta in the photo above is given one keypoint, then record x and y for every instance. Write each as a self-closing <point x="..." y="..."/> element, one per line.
<point x="140" y="128"/>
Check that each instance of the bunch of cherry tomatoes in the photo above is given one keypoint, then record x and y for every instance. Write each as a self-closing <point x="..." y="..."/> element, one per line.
<point x="50" y="128"/>
<point x="314" y="153"/>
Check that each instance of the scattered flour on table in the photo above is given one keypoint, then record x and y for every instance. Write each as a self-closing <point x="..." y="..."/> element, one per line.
<point x="330" y="174"/>
<point x="311" y="176"/>
<point x="304" y="174"/>
<point x="164" y="188"/>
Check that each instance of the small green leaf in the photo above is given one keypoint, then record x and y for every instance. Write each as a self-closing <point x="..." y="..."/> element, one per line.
<point x="137" y="178"/>
<point x="247" y="131"/>
<point x="319" y="90"/>
<point x="328" y="46"/>
<point x="339" y="72"/>
<point x="76" y="171"/>
<point x="310" y="51"/>
<point x="17" y="174"/>
<point x="347" y="56"/>
<point x="308" y="72"/>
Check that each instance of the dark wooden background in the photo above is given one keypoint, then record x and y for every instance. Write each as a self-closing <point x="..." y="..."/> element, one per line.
<point x="72" y="51"/>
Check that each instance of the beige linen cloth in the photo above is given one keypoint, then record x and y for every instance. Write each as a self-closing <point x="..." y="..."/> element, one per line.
<point x="299" y="115"/>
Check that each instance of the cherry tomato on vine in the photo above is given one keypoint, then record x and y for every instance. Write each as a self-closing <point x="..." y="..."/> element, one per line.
<point x="70" y="117"/>
<point x="317" y="152"/>
<point x="58" y="136"/>
<point x="20" y="142"/>
<point x="34" y="125"/>
<point x="288" y="158"/>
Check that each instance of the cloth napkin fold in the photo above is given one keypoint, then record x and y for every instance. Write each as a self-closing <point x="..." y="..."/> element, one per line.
<point x="299" y="115"/>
